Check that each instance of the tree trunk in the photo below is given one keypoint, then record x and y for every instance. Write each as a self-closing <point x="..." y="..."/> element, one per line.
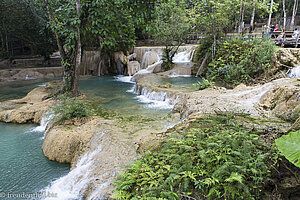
<point x="71" y="63"/>
<point x="294" y="14"/>
<point x="284" y="15"/>
<point x="240" y="19"/>
<point x="252" y="18"/>
<point x="58" y="40"/>
<point x="7" y="46"/>
<point x="202" y="64"/>
<point x="270" y="14"/>
<point x="78" y="54"/>
<point x="215" y="37"/>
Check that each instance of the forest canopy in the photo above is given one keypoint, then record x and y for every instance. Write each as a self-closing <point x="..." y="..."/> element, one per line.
<point x="40" y="27"/>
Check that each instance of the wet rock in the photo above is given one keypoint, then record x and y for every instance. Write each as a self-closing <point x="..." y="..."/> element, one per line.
<point x="31" y="108"/>
<point x="30" y="73"/>
<point x="133" y="67"/>
<point x="283" y="101"/>
<point x="66" y="142"/>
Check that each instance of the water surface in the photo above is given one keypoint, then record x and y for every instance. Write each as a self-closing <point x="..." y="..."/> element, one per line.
<point x="23" y="167"/>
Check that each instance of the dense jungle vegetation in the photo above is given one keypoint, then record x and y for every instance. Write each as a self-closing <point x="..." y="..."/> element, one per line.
<point x="216" y="157"/>
<point x="39" y="27"/>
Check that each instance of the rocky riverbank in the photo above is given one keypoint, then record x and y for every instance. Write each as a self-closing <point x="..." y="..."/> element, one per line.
<point x="109" y="144"/>
<point x="31" y="108"/>
<point x="14" y="74"/>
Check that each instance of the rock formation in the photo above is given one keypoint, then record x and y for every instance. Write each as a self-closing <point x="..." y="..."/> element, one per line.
<point x="31" y="108"/>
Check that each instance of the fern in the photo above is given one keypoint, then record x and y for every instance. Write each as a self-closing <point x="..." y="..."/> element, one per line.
<point x="221" y="160"/>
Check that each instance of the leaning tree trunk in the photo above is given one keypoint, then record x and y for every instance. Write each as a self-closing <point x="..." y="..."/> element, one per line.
<point x="294" y="14"/>
<point x="270" y="14"/>
<point x="284" y="15"/>
<point x="78" y="54"/>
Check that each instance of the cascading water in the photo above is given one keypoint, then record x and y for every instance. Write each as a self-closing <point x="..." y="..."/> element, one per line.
<point x="184" y="57"/>
<point x="74" y="184"/>
<point x="152" y="60"/>
<point x="294" y="72"/>
<point x="149" y="58"/>
<point x="159" y="100"/>
<point x="44" y="123"/>
<point x="150" y="68"/>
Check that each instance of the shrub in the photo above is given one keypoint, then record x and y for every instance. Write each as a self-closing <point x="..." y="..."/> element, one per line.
<point x="220" y="161"/>
<point x="238" y="60"/>
<point x="203" y="48"/>
<point x="204" y="83"/>
<point x="69" y="108"/>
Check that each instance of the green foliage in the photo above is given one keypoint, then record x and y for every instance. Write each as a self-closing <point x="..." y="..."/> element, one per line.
<point x="170" y="27"/>
<point x="204" y="83"/>
<point x="24" y="24"/>
<point x="218" y="161"/>
<point x="111" y="21"/>
<point x="203" y="48"/>
<point x="289" y="146"/>
<point x="239" y="60"/>
<point x="69" y="108"/>
<point x="170" y="24"/>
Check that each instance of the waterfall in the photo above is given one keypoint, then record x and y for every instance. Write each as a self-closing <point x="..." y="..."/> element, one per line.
<point x="44" y="122"/>
<point x="152" y="60"/>
<point x="74" y="184"/>
<point x="125" y="79"/>
<point x="294" y="72"/>
<point x="150" y="68"/>
<point x="149" y="58"/>
<point x="184" y="57"/>
<point x="157" y="100"/>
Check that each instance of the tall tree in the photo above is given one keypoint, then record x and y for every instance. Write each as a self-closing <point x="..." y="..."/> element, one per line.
<point x="253" y="16"/>
<point x="23" y="25"/>
<point x="104" y="24"/>
<point x="270" y="13"/>
<point x="295" y="8"/>
<point x="284" y="15"/>
<point x="170" y="26"/>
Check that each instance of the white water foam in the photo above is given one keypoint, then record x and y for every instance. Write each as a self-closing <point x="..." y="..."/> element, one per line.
<point x="44" y="122"/>
<point x="174" y="75"/>
<point x="150" y="68"/>
<point x="42" y="85"/>
<point x="294" y="72"/>
<point x="157" y="100"/>
<point x="184" y="57"/>
<point x="125" y="79"/>
<point x="154" y="103"/>
<point x="73" y="185"/>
